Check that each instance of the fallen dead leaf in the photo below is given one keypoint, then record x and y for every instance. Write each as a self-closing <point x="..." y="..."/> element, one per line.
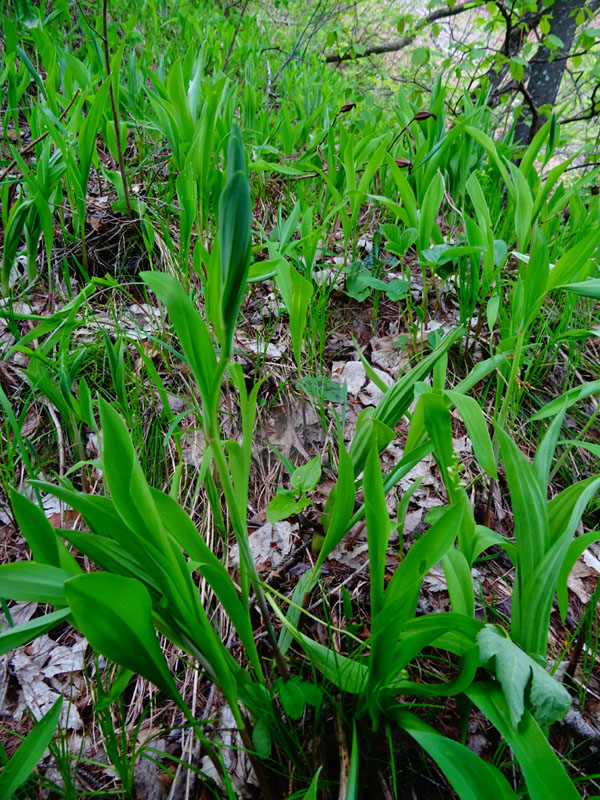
<point x="269" y="543"/>
<point x="353" y="372"/>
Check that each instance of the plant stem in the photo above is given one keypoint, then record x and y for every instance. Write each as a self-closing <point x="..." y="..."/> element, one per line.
<point x="503" y="415"/>
<point x="240" y="527"/>
<point x="512" y="380"/>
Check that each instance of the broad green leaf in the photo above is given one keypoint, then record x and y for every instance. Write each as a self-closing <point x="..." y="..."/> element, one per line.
<point x="235" y="214"/>
<point x="191" y="331"/>
<point x="472" y="415"/>
<point x="88" y="133"/>
<point x="568" y="399"/>
<point x="378" y="526"/>
<point x="524" y="681"/>
<point x="15" y="637"/>
<point x="542" y="463"/>
<point x="566" y="508"/>
<point x="439" y="427"/>
<point x="261" y="738"/>
<point x="115" y="616"/>
<point x="488" y="145"/>
<point x="33" y="582"/>
<point x="43" y="542"/>
<point x="29" y="752"/>
<point x="337" y="521"/>
<point x="530" y="524"/>
<point x="471" y="777"/>
<point x="536" y="277"/>
<point x="395" y="403"/>
<point x="306" y="477"/>
<point x="524" y="207"/>
<point x="133" y="500"/>
<point x="283" y="506"/>
<point x="565" y="511"/>
<point x="302" y="291"/>
<point x="543" y="772"/>
<point x="181" y="527"/>
<point x="429" y="210"/>
<point x="589" y="288"/>
<point x="401" y="595"/>
<point x="568" y="266"/>
<point x="292" y="697"/>
<point x="460" y="582"/>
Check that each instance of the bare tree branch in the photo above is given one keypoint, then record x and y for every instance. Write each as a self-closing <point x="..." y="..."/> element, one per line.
<point x="399" y="44"/>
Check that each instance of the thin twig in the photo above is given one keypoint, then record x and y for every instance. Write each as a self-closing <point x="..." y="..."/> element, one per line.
<point x="235" y="33"/>
<point x="405" y="41"/>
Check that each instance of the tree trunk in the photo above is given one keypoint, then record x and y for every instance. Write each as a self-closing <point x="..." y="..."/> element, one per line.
<point x="545" y="76"/>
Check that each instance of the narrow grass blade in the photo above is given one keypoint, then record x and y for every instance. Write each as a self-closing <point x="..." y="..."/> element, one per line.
<point x="352" y="789"/>
<point x="30" y="752"/>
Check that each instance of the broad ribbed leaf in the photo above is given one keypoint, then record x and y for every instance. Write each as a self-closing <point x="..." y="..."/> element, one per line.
<point x="472" y="415"/>
<point x="523" y="680"/>
<point x="43" y="542"/>
<point x="191" y="331"/>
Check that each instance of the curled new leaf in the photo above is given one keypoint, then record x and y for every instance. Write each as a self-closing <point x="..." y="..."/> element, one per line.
<point x="235" y="239"/>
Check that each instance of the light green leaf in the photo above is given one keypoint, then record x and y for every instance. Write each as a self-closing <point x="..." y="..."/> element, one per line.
<point x="477" y="428"/>
<point x="306" y="477"/>
<point x="33" y="582"/>
<point x="43" y="542"/>
<point x="283" y="506"/>
<point x="378" y="526"/>
<point x="568" y="399"/>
